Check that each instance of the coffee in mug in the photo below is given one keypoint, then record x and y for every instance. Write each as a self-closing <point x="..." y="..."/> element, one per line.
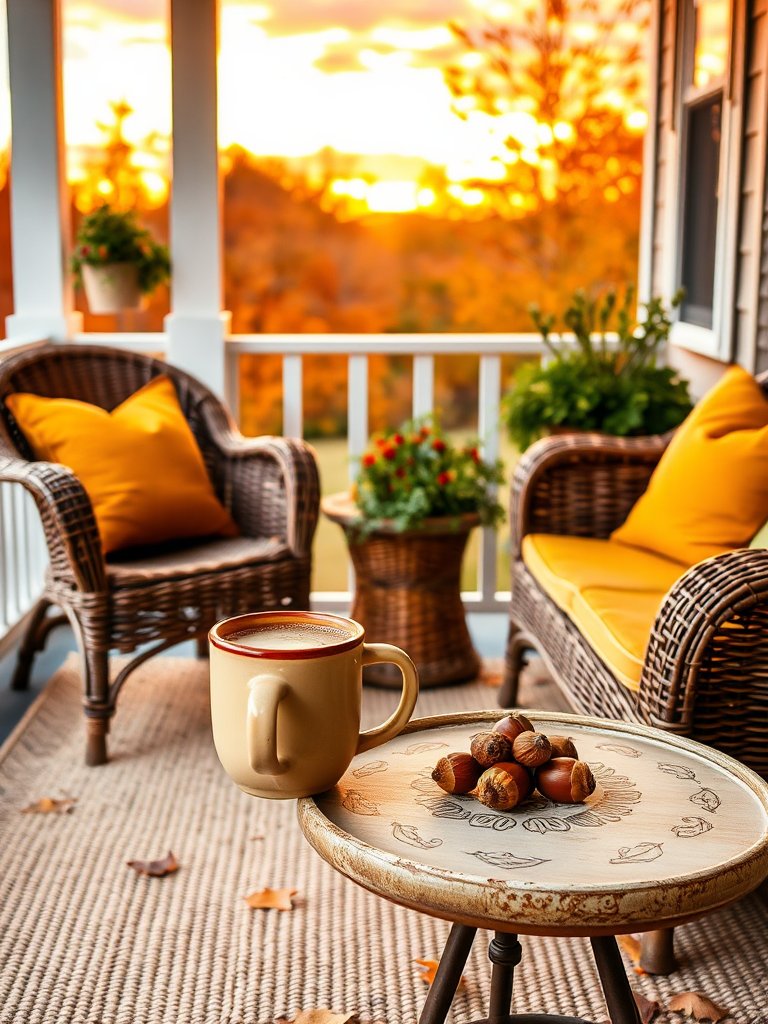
<point x="286" y="694"/>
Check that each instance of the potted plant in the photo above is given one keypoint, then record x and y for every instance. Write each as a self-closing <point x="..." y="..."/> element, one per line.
<point x="415" y="500"/>
<point x="116" y="260"/>
<point x="593" y="383"/>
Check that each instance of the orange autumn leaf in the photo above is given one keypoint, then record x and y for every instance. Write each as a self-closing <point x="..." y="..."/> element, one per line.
<point x="430" y="970"/>
<point x="631" y="947"/>
<point x="271" y="899"/>
<point x="697" y="1005"/>
<point x="49" y="805"/>
<point x="155" y="868"/>
<point x="648" y="1007"/>
<point x="318" y="1015"/>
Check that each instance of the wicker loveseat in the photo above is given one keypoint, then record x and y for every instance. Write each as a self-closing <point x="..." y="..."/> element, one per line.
<point x="157" y="597"/>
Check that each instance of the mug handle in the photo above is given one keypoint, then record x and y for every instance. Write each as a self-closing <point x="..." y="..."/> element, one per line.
<point x="266" y="693"/>
<point x="374" y="654"/>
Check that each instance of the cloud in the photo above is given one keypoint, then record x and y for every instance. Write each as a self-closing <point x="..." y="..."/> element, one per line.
<point x="307" y="15"/>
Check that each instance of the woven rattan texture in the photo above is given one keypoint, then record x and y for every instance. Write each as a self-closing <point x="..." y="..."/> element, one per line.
<point x="83" y="940"/>
<point x="705" y="673"/>
<point x="270" y="486"/>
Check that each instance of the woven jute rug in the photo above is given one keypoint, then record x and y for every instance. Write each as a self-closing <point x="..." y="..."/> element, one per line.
<point x="84" y="940"/>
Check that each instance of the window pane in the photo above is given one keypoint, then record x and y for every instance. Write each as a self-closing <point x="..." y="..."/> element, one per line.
<point x="700" y="219"/>
<point x="117" y="123"/>
<point x="711" y="41"/>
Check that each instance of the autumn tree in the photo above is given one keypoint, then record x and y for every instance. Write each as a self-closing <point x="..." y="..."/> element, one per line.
<point x="562" y="87"/>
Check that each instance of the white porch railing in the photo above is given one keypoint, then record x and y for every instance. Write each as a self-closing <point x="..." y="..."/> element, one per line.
<point x="23" y="556"/>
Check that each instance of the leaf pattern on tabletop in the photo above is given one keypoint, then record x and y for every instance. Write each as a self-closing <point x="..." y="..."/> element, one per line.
<point x="498" y="822"/>
<point x="542" y="825"/>
<point x="691" y="827"/>
<point x="706" y="798"/>
<point x="698" y="1006"/>
<point x="618" y="748"/>
<point x="354" y="801"/>
<point x="639" y="854"/>
<point x="678" y="770"/>
<point x="507" y="860"/>
<point x="420" y="748"/>
<point x="410" y="834"/>
<point x="424" y="784"/>
<point x="370" y="769"/>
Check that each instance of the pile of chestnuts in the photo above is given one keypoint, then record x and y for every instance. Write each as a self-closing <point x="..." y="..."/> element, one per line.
<point x="505" y="765"/>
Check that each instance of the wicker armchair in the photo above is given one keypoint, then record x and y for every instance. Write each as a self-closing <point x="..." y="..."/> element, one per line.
<point x="162" y="596"/>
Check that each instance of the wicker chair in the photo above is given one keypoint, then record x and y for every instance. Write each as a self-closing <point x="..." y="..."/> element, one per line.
<point x="162" y="596"/>
<point x="705" y="673"/>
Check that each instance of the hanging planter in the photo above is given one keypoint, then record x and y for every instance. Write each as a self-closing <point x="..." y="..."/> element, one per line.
<point x="116" y="260"/>
<point x="111" y="287"/>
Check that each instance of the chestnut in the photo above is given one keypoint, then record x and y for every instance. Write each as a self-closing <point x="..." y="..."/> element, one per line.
<point x="565" y="780"/>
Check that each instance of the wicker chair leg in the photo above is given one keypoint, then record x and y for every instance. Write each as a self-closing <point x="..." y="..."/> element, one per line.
<point x="201" y="646"/>
<point x="657" y="953"/>
<point x="98" y="706"/>
<point x="517" y="645"/>
<point x="31" y="643"/>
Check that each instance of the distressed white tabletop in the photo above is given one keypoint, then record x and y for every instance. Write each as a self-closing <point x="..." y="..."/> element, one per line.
<point x="672" y="830"/>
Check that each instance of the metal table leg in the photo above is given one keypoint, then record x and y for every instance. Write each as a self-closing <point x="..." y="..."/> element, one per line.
<point x="613" y="978"/>
<point x="448" y="976"/>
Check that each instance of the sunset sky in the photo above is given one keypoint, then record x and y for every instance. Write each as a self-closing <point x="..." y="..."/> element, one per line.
<point x="360" y="76"/>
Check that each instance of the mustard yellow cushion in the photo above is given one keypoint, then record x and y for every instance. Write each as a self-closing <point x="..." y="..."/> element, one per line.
<point x="709" y="492"/>
<point x="564" y="566"/>
<point x="139" y="463"/>
<point x="617" y="626"/>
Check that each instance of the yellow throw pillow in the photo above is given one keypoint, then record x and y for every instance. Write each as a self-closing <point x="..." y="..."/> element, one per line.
<point x="139" y="463"/>
<point x="709" y="492"/>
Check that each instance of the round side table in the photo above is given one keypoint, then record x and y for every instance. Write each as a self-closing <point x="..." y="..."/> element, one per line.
<point x="673" y="830"/>
<point x="408" y="593"/>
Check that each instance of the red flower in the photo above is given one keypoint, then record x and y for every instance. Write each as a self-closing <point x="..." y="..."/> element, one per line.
<point x="369" y="459"/>
<point x="398" y="439"/>
<point x="389" y="452"/>
<point x="382" y="442"/>
<point x="443" y="478"/>
<point x="474" y="454"/>
<point x="84" y="250"/>
<point x="425" y="431"/>
<point x="438" y="444"/>
<point x="400" y="472"/>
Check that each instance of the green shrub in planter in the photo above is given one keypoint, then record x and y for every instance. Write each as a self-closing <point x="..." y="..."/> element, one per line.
<point x="590" y="384"/>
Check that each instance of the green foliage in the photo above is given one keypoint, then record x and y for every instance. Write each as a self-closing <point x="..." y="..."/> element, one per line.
<point x="596" y="384"/>
<point x="417" y="472"/>
<point x="111" y="236"/>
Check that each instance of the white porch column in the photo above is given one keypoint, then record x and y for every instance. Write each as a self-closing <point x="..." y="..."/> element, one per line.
<point x="196" y="326"/>
<point x="40" y="235"/>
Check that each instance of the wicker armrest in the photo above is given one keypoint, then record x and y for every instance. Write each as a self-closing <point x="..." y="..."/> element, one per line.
<point x="708" y="653"/>
<point x="580" y="484"/>
<point x="271" y="487"/>
<point x="74" y="545"/>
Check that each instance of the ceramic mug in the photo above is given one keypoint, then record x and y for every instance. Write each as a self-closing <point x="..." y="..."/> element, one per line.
<point x="286" y="691"/>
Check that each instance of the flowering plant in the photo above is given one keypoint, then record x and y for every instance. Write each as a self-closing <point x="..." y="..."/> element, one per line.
<point x="417" y="472"/>
<point x="112" y="236"/>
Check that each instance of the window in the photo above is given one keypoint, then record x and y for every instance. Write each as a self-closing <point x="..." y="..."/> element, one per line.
<point x="702" y="210"/>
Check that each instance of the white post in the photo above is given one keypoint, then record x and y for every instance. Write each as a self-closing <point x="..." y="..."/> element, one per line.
<point x="423" y="384"/>
<point x="293" y="396"/>
<point x="40" y="231"/>
<point x="490" y="394"/>
<point x="196" y="327"/>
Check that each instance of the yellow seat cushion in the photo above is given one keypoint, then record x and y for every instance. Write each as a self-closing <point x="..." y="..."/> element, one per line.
<point x="617" y="625"/>
<point x="709" y="492"/>
<point x="610" y="591"/>
<point x="564" y="566"/>
<point x="139" y="463"/>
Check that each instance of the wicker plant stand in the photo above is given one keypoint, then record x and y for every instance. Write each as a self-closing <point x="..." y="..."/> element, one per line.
<point x="408" y="593"/>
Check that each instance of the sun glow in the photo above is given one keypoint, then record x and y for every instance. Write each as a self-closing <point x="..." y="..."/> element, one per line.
<point x="366" y="86"/>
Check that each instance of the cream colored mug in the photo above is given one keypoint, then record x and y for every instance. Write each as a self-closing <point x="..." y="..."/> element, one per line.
<point x="286" y="691"/>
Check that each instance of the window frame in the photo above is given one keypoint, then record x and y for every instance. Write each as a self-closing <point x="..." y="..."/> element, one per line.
<point x="714" y="341"/>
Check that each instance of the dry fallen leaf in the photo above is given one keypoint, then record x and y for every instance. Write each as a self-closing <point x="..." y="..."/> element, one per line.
<point x="430" y="970"/>
<point x="155" y="868"/>
<point x="648" y="1007"/>
<point x="631" y="947"/>
<point x="271" y="899"/>
<point x="697" y="1005"/>
<point x="318" y="1015"/>
<point x="49" y="805"/>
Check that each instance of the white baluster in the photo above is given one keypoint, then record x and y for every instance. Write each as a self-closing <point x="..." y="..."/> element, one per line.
<point x="488" y="422"/>
<point x="293" y="396"/>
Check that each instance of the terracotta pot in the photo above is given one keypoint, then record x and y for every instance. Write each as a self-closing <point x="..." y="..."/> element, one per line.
<point x="111" y="287"/>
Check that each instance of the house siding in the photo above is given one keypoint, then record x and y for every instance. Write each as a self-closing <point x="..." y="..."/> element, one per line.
<point x="663" y="129"/>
